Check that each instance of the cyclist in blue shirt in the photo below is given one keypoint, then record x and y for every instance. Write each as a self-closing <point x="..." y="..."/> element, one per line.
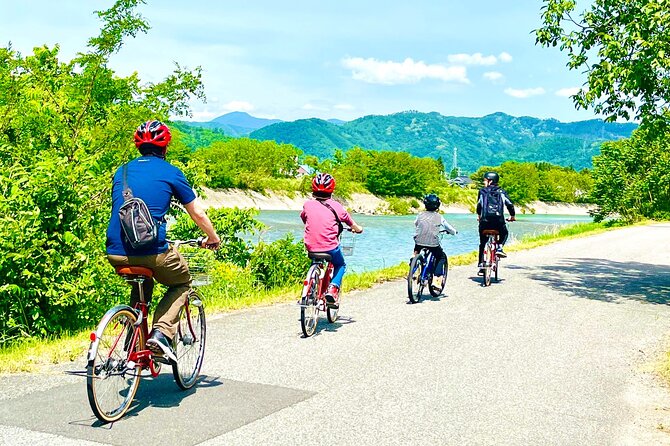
<point x="156" y="181"/>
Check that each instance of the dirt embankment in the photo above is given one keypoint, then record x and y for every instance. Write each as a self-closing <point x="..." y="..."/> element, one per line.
<point x="357" y="203"/>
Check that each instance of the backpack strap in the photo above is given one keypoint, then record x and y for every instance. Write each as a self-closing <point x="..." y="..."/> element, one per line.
<point x="340" y="228"/>
<point x="127" y="192"/>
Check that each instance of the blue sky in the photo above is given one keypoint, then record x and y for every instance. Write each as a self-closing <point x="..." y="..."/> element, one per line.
<point x="300" y="59"/>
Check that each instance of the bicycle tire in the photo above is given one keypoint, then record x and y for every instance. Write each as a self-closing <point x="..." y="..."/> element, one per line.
<point x="309" y="303"/>
<point x="414" y="287"/>
<point x="189" y="342"/>
<point x="488" y="256"/>
<point x="108" y="375"/>
<point x="439" y="289"/>
<point x="332" y="313"/>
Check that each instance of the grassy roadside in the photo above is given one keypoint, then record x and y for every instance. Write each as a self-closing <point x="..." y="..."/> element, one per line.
<point x="32" y="355"/>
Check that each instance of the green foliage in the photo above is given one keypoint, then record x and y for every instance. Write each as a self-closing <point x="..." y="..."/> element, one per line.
<point x="231" y="225"/>
<point x="526" y="182"/>
<point x="401" y="174"/>
<point x="279" y="263"/>
<point x="246" y="162"/>
<point x="64" y="128"/>
<point x="632" y="177"/>
<point x="399" y="206"/>
<point x="622" y="45"/>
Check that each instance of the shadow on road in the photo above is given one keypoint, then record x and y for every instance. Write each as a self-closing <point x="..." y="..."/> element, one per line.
<point x="606" y="280"/>
<point x="160" y="392"/>
<point x="325" y="326"/>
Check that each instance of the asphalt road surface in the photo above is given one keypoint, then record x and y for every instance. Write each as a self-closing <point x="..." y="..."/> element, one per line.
<point x="559" y="352"/>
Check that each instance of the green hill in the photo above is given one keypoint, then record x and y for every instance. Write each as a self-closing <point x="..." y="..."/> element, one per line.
<point x="488" y="140"/>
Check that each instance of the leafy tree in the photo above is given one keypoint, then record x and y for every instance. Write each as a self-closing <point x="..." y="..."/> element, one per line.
<point x="632" y="176"/>
<point x="244" y="162"/>
<point x="64" y="129"/>
<point x="401" y="174"/>
<point x="624" y="48"/>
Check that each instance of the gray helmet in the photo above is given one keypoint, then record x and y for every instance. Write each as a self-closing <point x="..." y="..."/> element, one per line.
<point x="492" y="176"/>
<point x="432" y="202"/>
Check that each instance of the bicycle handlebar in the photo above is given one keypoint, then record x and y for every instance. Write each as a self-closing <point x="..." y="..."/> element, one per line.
<point x="192" y="242"/>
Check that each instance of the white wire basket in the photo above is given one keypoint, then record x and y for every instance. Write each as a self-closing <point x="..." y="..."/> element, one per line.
<point x="200" y="262"/>
<point x="347" y="242"/>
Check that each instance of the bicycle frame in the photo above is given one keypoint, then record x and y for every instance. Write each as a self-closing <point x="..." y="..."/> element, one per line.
<point x="324" y="270"/>
<point x="427" y="264"/>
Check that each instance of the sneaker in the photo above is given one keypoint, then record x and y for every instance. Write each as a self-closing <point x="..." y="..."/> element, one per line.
<point x="333" y="296"/>
<point x="160" y="344"/>
<point x="500" y="252"/>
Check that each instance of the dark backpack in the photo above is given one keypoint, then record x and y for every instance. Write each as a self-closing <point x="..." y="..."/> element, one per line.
<point x="140" y="229"/>
<point x="492" y="204"/>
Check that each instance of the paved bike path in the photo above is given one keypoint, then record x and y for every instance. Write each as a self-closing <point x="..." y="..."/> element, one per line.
<point x="556" y="353"/>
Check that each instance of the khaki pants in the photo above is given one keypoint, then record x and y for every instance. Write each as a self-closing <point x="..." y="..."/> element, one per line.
<point x="171" y="270"/>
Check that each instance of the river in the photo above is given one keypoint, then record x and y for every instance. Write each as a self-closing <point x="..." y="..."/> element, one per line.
<point x="387" y="239"/>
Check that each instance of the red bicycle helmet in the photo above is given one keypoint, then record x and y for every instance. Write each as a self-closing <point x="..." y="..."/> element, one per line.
<point x="324" y="183"/>
<point x="153" y="132"/>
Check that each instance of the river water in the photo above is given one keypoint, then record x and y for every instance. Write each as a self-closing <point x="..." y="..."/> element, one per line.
<point x="387" y="239"/>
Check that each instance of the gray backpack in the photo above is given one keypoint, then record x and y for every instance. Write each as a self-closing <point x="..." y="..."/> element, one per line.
<point x="139" y="227"/>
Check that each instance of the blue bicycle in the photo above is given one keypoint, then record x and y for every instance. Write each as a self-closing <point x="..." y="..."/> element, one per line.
<point x="421" y="275"/>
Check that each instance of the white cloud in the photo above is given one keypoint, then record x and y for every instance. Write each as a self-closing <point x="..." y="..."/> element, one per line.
<point x="472" y="59"/>
<point x="505" y="57"/>
<point x="242" y="106"/>
<point x="493" y="76"/>
<point x="407" y="72"/>
<point x="565" y="92"/>
<point x="524" y="93"/>
<point x="344" y="107"/>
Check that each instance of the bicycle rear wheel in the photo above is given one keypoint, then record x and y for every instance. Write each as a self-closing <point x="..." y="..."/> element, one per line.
<point x="309" y="303"/>
<point x="111" y="379"/>
<point x="189" y="342"/>
<point x="414" y="285"/>
<point x="488" y="259"/>
<point x="436" y="284"/>
<point x="332" y="313"/>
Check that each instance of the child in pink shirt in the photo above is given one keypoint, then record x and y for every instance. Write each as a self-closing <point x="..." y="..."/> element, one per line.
<point x="322" y="229"/>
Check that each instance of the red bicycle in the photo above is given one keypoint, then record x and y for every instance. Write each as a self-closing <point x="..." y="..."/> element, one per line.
<point x="490" y="256"/>
<point x="315" y="285"/>
<point x="118" y="353"/>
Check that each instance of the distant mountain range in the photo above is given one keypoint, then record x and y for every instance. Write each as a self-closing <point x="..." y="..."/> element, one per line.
<point x="489" y="140"/>
<point x="234" y="123"/>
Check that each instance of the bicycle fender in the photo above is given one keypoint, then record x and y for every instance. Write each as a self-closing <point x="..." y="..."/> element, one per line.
<point x="98" y="331"/>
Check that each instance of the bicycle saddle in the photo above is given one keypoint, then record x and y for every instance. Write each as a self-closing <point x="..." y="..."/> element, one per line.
<point x="134" y="271"/>
<point x="490" y="232"/>
<point x="319" y="256"/>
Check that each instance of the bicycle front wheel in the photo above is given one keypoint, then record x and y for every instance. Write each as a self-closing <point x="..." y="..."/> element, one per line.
<point x="189" y="342"/>
<point x="309" y="303"/>
<point x="111" y="378"/>
<point x="436" y="284"/>
<point x="414" y="286"/>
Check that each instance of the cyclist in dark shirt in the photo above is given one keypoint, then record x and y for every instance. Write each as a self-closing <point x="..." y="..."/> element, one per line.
<point x="156" y="181"/>
<point x="491" y="186"/>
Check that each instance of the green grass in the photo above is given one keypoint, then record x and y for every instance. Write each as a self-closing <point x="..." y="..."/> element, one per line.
<point x="233" y="292"/>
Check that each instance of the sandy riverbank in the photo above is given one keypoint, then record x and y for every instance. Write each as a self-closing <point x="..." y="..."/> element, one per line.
<point x="357" y="203"/>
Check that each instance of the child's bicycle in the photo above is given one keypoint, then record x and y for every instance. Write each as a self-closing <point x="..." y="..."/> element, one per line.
<point x="315" y="285"/>
<point x="420" y="275"/>
<point x="491" y="257"/>
<point x="118" y="353"/>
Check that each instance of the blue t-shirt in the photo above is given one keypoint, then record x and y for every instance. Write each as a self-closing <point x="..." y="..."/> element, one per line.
<point x="155" y="181"/>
